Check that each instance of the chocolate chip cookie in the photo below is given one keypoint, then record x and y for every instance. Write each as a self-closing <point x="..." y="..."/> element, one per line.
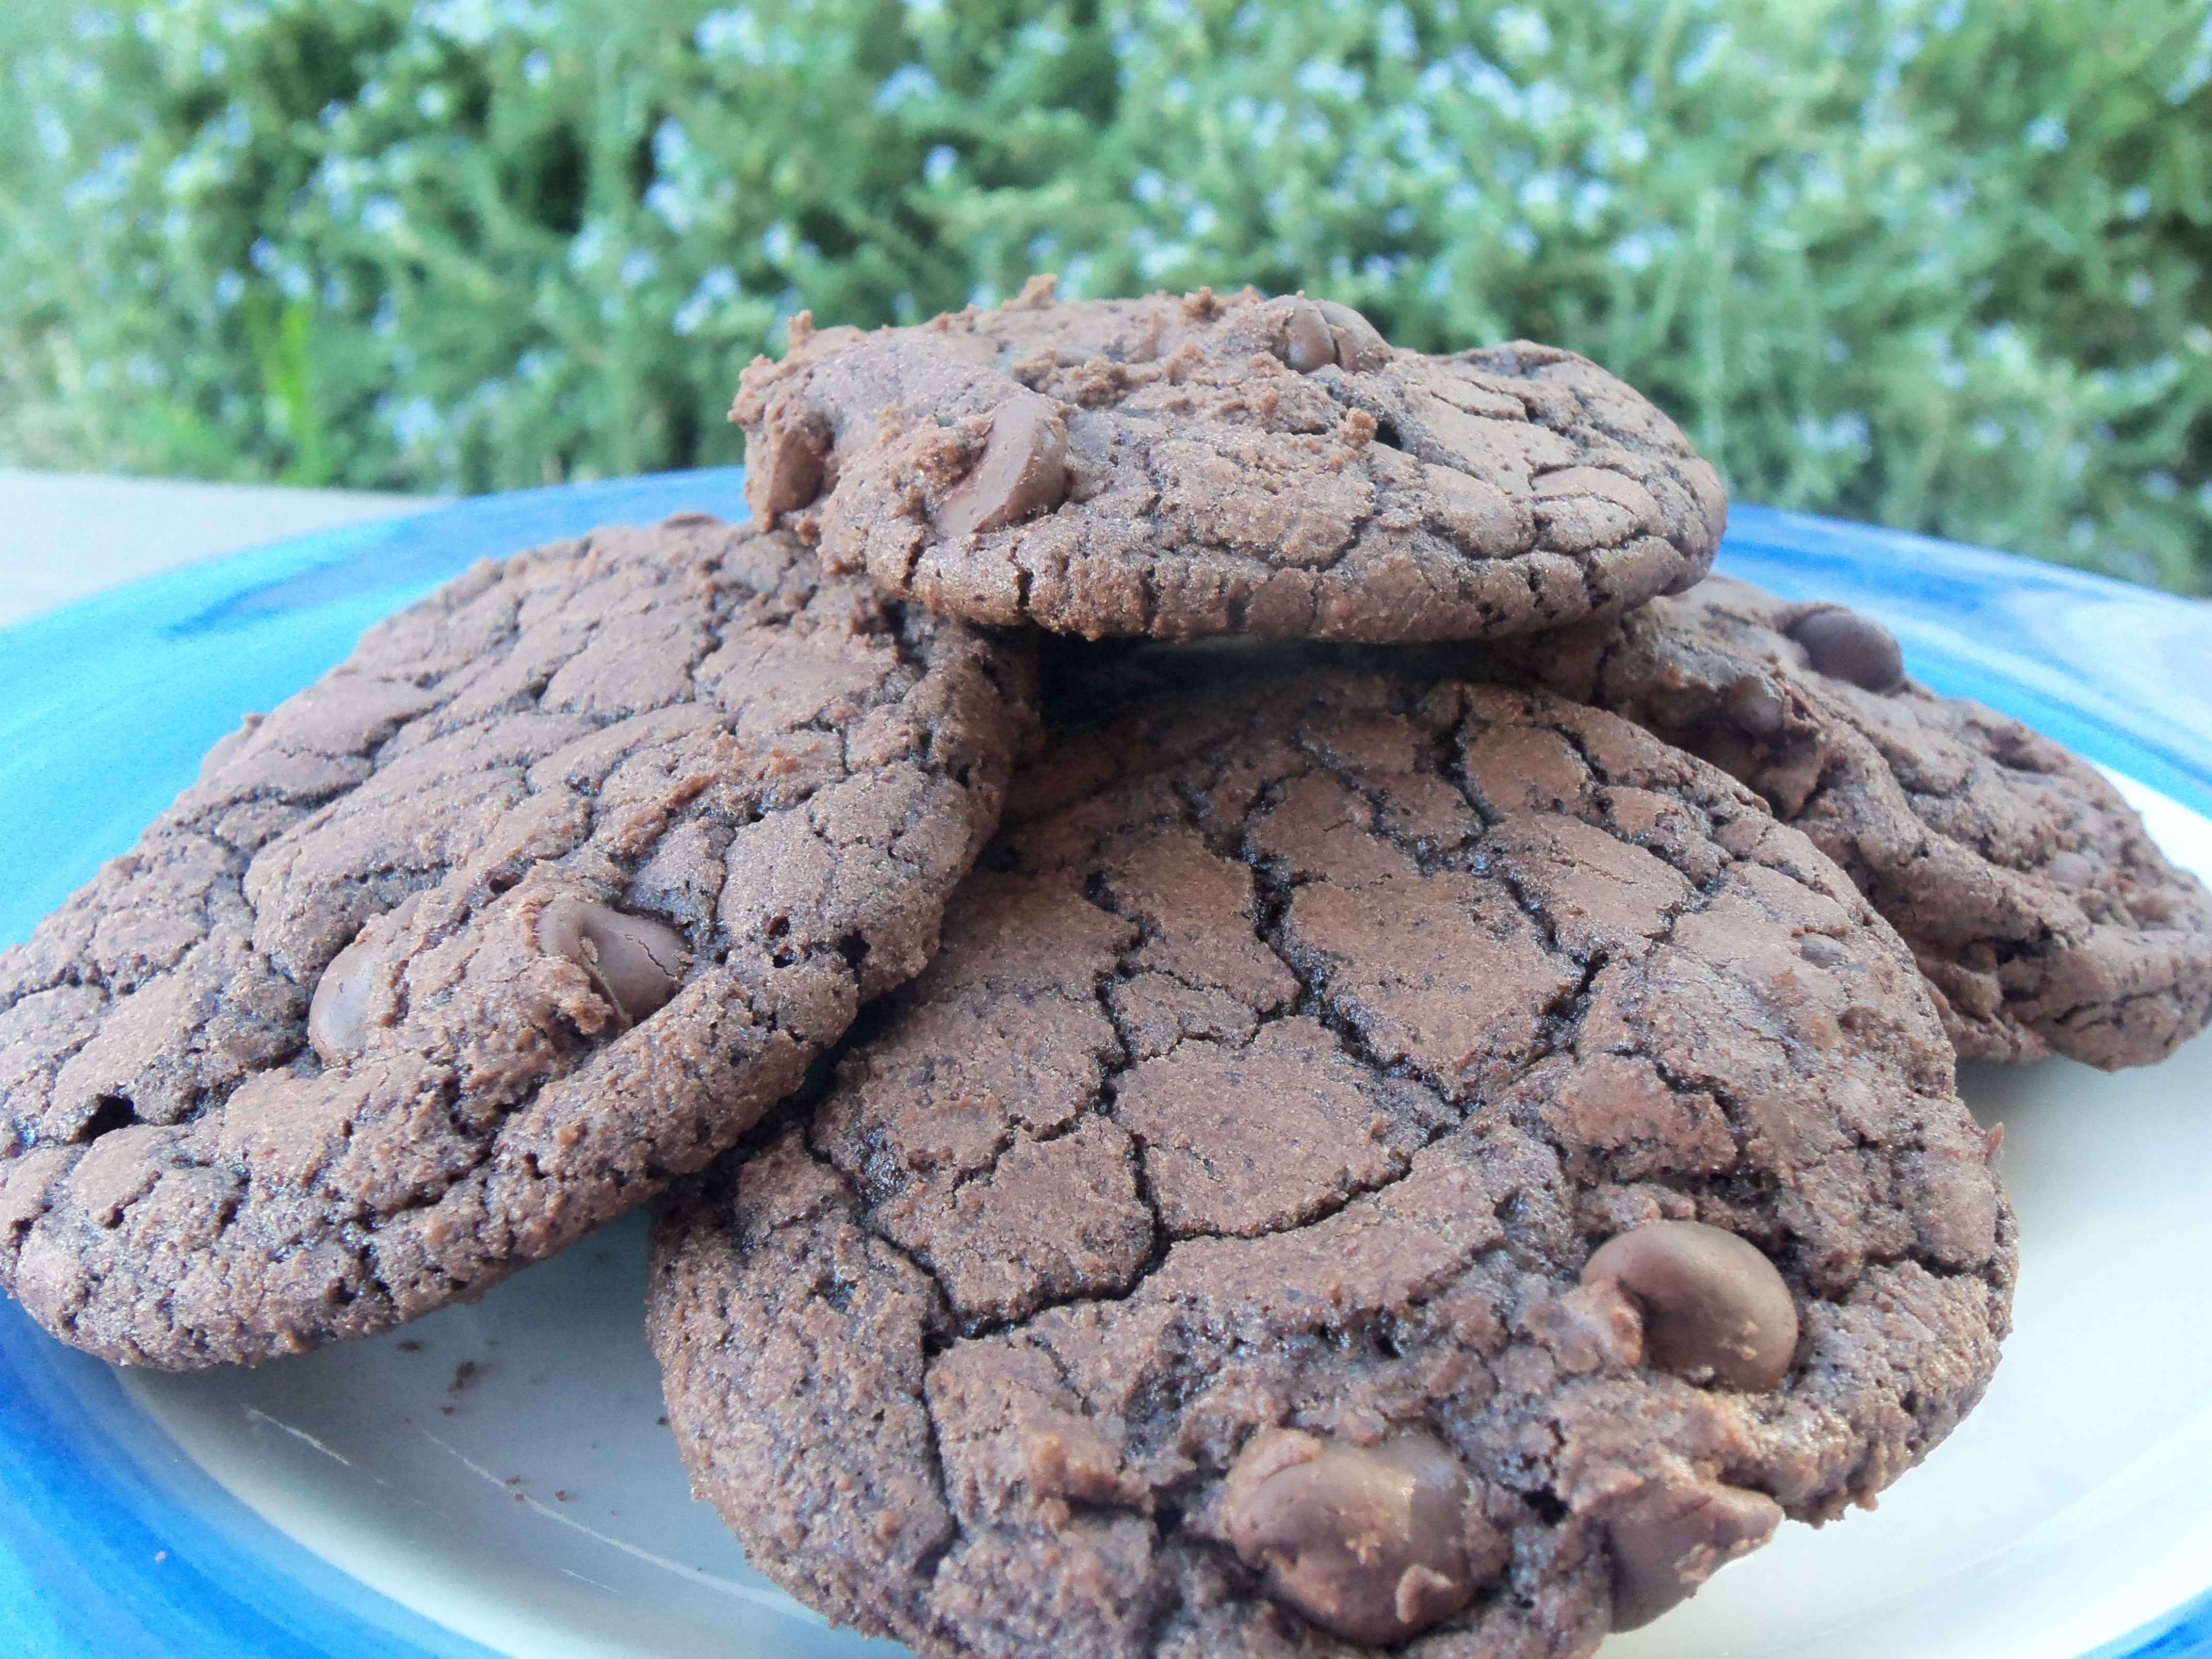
<point x="2035" y="904"/>
<point x="1376" y="1160"/>
<point x="1181" y="467"/>
<point x="538" y="901"/>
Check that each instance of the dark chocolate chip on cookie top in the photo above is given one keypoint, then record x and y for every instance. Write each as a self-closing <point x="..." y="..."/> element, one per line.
<point x="1177" y="467"/>
<point x="538" y="900"/>
<point x="1376" y="1160"/>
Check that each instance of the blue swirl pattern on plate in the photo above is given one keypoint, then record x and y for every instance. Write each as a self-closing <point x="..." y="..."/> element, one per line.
<point x="112" y="1545"/>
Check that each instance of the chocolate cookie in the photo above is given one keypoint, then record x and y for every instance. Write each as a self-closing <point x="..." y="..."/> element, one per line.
<point x="1375" y="1160"/>
<point x="538" y="901"/>
<point x="2029" y="895"/>
<point x="1176" y="467"/>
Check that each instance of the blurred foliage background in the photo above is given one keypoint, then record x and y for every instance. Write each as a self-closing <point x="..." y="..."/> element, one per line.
<point x="1939" y="264"/>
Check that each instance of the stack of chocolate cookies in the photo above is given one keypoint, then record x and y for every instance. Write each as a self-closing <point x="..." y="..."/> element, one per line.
<point x="1250" y="1042"/>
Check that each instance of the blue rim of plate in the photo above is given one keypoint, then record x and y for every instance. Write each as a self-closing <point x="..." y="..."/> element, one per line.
<point x="113" y="1544"/>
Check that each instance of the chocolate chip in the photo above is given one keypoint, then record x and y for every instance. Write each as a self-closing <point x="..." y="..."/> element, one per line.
<point x="2071" y="869"/>
<point x="1846" y="646"/>
<point x="1360" y="347"/>
<point x="636" y="963"/>
<point x="1755" y="706"/>
<point x="1024" y="471"/>
<point x="1822" y="951"/>
<point x="1368" y="1542"/>
<point x="1710" y="1302"/>
<point x="1667" y="1543"/>
<point x="785" y="464"/>
<point x="1308" y="345"/>
<point x="337" y="1016"/>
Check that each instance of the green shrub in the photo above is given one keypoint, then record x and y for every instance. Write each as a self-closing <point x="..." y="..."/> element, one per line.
<point x="1934" y="262"/>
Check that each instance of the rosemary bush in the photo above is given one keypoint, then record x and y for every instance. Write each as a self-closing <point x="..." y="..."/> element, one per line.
<point x="1934" y="262"/>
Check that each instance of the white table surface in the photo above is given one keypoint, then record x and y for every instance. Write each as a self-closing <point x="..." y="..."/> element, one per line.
<point x="63" y="535"/>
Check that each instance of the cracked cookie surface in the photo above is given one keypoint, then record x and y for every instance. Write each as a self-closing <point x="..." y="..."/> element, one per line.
<point x="1238" y="1161"/>
<point x="2035" y="903"/>
<point x="1178" y="466"/>
<point x="538" y="901"/>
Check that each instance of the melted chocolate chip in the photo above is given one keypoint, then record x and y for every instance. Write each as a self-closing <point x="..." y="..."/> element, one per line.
<point x="1368" y="1542"/>
<point x="337" y="1017"/>
<point x="1024" y="471"/>
<point x="1844" y="644"/>
<point x="1309" y="344"/>
<point x="1822" y="951"/>
<point x="2071" y="869"/>
<point x="1668" y="1542"/>
<point x="1755" y="706"/>
<point x="636" y="963"/>
<point x="1710" y="1302"/>
<point x="1360" y="346"/>
<point x="785" y="464"/>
